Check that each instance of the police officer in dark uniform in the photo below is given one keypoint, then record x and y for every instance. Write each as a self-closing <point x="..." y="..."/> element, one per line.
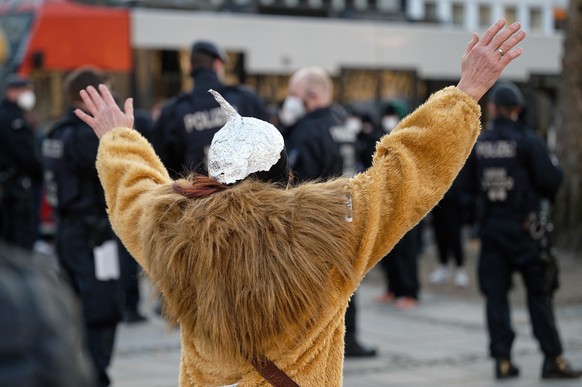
<point x="321" y="146"/>
<point x="184" y="130"/>
<point x="315" y="132"/>
<point x="513" y="171"/>
<point x="83" y="231"/>
<point x="20" y="166"/>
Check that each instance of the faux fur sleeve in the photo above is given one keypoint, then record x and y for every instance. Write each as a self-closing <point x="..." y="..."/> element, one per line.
<point x="412" y="169"/>
<point x="129" y="171"/>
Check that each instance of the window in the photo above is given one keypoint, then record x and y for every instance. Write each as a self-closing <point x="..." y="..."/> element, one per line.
<point x="510" y="14"/>
<point x="536" y="19"/>
<point x="484" y="15"/>
<point x="430" y="11"/>
<point x="458" y="14"/>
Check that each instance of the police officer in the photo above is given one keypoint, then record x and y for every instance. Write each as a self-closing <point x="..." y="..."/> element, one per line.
<point x="184" y="130"/>
<point x="315" y="127"/>
<point x="320" y="146"/>
<point x="513" y="171"/>
<point x="85" y="240"/>
<point x="20" y="166"/>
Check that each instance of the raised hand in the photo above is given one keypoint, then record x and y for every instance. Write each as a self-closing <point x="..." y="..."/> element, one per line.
<point x="104" y="114"/>
<point x="485" y="58"/>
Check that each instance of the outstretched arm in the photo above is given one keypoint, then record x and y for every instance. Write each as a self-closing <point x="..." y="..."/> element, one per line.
<point x="415" y="165"/>
<point x="128" y="167"/>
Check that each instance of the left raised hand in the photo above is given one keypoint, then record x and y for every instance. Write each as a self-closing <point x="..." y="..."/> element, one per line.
<point x="104" y="114"/>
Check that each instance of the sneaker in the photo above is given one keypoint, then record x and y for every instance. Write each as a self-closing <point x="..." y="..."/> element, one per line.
<point x="405" y="303"/>
<point x="505" y="369"/>
<point x="558" y="368"/>
<point x="440" y="276"/>
<point x="384" y="298"/>
<point x="461" y="278"/>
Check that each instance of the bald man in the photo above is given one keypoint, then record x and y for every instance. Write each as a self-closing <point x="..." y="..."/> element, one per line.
<point x="320" y="146"/>
<point x="311" y="119"/>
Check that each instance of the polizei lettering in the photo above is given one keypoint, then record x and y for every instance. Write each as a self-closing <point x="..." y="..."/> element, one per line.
<point x="205" y="119"/>
<point x="497" y="149"/>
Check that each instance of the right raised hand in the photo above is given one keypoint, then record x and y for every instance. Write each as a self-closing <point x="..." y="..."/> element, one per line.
<point x="485" y="58"/>
<point x="104" y="112"/>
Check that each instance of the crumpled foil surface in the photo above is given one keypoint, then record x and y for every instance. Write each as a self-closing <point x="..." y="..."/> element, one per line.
<point x="244" y="145"/>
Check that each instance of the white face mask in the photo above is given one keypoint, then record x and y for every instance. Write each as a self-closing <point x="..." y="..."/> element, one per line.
<point x="26" y="100"/>
<point x="354" y="125"/>
<point x="389" y="123"/>
<point x="291" y="111"/>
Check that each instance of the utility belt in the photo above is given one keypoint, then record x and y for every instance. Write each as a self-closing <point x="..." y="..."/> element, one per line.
<point x="98" y="227"/>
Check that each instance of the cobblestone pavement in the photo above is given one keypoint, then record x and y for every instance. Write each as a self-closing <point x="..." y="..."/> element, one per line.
<point x="440" y="343"/>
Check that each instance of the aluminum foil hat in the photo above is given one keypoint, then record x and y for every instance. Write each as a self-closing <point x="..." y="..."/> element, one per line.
<point x="244" y="145"/>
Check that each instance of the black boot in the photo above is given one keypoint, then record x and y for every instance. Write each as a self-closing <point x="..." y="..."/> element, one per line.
<point x="131" y="316"/>
<point x="354" y="349"/>
<point x="505" y="369"/>
<point x="556" y="367"/>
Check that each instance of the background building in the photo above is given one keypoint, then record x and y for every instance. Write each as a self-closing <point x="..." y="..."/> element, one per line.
<point x="375" y="49"/>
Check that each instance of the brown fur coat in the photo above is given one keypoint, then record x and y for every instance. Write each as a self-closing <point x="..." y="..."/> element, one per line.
<point x="256" y="269"/>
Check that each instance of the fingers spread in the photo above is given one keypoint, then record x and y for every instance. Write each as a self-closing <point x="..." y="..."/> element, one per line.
<point x="472" y="43"/>
<point x="513" y="41"/>
<point x="504" y="35"/>
<point x="88" y="101"/>
<point x="511" y="55"/>
<point x="96" y="99"/>
<point x="106" y="95"/>
<point x="492" y="31"/>
<point x="84" y="117"/>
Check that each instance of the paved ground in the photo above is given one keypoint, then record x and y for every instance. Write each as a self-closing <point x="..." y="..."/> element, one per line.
<point x="441" y="343"/>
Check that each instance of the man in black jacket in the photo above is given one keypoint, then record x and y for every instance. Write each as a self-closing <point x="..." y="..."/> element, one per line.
<point x="320" y="146"/>
<point x="513" y="171"/>
<point x="85" y="241"/>
<point x="184" y="130"/>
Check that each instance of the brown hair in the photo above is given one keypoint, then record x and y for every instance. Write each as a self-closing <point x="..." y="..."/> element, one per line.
<point x="81" y="78"/>
<point x="197" y="186"/>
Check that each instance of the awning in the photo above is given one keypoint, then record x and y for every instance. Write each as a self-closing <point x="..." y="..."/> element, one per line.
<point x="66" y="35"/>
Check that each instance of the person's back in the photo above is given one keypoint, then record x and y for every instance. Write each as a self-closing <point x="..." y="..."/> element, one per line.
<point x="84" y="239"/>
<point x="185" y="128"/>
<point x="513" y="171"/>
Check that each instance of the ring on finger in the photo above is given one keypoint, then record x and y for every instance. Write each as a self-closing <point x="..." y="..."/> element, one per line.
<point x="500" y="51"/>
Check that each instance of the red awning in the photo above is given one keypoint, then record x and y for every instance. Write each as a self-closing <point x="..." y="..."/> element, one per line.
<point x="66" y="35"/>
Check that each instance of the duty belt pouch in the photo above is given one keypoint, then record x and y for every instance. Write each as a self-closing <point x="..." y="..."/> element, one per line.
<point x="103" y="299"/>
<point x="99" y="230"/>
<point x="539" y="227"/>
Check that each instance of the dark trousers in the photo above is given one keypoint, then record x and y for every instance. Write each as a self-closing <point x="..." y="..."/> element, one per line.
<point x="351" y="318"/>
<point x="101" y="300"/>
<point x="447" y="223"/>
<point x="129" y="278"/>
<point x="495" y="270"/>
<point x="100" y="343"/>
<point x="400" y="266"/>
<point x="18" y="215"/>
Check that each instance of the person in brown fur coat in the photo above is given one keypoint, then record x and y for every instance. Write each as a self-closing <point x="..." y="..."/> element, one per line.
<point x="257" y="272"/>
